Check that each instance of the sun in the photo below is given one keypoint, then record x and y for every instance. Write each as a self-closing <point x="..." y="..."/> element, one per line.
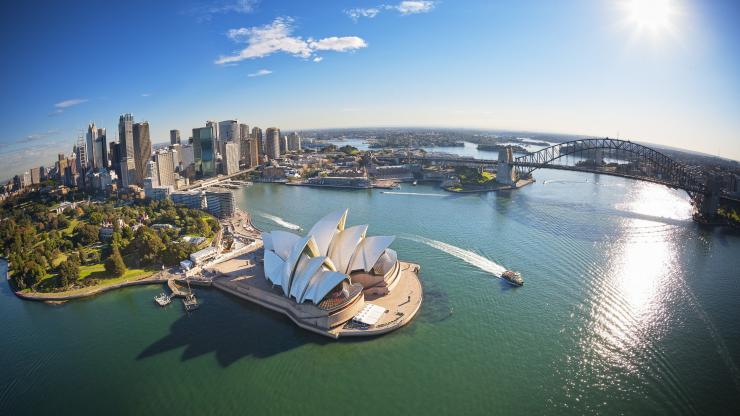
<point x="652" y="15"/>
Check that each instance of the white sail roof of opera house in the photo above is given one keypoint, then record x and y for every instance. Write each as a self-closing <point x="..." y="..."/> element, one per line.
<point x="308" y="268"/>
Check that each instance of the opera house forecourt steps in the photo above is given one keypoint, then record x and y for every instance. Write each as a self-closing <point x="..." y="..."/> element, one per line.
<point x="334" y="281"/>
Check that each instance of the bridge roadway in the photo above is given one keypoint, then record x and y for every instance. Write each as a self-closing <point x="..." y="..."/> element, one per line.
<point x="214" y="181"/>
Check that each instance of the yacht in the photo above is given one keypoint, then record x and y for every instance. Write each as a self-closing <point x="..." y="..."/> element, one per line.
<point x="162" y="299"/>
<point x="513" y="277"/>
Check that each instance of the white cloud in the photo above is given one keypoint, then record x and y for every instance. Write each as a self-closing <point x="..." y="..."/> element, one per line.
<point x="146" y="94"/>
<point x="414" y="6"/>
<point x="69" y="103"/>
<point x="278" y="37"/>
<point x="318" y="59"/>
<point x="205" y="12"/>
<point x="404" y="7"/>
<point x="343" y="44"/>
<point x="355" y="14"/>
<point x="260" y="73"/>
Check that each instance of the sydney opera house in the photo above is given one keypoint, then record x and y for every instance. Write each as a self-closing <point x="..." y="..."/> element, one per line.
<point x="335" y="280"/>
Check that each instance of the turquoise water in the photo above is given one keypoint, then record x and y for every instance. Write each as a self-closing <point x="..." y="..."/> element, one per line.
<point x="628" y="308"/>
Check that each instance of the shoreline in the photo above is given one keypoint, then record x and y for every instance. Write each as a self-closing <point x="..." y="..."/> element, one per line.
<point x="61" y="297"/>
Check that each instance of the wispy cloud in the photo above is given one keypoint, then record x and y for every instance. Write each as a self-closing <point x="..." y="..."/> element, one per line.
<point x="404" y="7"/>
<point x="413" y="7"/>
<point x="260" y="73"/>
<point x="357" y="13"/>
<point x="204" y="12"/>
<point x="63" y="105"/>
<point x="146" y="94"/>
<point x="318" y="59"/>
<point x="32" y="150"/>
<point x="69" y="103"/>
<point x="39" y="136"/>
<point x="277" y="37"/>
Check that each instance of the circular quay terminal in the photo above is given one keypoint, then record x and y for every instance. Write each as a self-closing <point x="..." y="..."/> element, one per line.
<point x="366" y="207"/>
<point x="334" y="281"/>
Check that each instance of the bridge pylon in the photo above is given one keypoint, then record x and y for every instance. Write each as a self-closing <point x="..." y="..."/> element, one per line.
<point x="506" y="172"/>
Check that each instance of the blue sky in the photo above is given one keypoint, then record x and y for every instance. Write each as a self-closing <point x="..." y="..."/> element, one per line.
<point x="570" y="66"/>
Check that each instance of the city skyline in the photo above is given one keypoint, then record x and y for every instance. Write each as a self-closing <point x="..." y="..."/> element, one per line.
<point x="593" y="68"/>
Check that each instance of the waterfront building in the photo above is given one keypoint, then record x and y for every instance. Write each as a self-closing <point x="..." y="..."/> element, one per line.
<point x="294" y="142"/>
<point x="231" y="158"/>
<point x="220" y="202"/>
<point x="272" y="143"/>
<point x="204" y="149"/>
<point x="174" y="136"/>
<point x="142" y="149"/>
<point x="190" y="199"/>
<point x="321" y="280"/>
<point x="201" y="256"/>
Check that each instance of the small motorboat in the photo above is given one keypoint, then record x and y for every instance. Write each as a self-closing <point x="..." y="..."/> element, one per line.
<point x="513" y="277"/>
<point x="414" y="183"/>
<point x="162" y="299"/>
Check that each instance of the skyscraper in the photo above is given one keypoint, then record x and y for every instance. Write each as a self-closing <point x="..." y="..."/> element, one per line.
<point x="126" y="149"/>
<point x="115" y="158"/>
<point x="142" y="150"/>
<point x="174" y="136"/>
<point x="231" y="158"/>
<point x="100" y="151"/>
<point x="204" y="152"/>
<point x="283" y="143"/>
<point x="257" y="135"/>
<point x="244" y="143"/>
<point x="92" y="136"/>
<point x="253" y="154"/>
<point x="294" y="142"/>
<point x="272" y="143"/>
<point x="165" y="167"/>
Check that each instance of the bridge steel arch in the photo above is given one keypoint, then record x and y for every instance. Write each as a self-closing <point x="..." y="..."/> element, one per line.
<point x="668" y="172"/>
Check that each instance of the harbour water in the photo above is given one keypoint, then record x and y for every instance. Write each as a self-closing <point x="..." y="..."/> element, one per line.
<point x="628" y="307"/>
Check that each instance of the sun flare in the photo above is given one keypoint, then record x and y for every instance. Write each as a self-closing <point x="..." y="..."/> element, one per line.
<point x="652" y="15"/>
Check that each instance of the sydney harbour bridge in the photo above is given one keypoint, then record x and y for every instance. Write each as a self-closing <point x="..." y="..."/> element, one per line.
<point x="603" y="156"/>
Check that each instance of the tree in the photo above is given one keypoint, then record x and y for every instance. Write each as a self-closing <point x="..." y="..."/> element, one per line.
<point x="114" y="264"/>
<point x="69" y="271"/>
<point x="148" y="245"/>
<point x="87" y="234"/>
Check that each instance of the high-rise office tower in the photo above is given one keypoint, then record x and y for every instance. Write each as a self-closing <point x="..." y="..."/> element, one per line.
<point x="100" y="150"/>
<point x="272" y="143"/>
<point x="294" y="142"/>
<point x="165" y="167"/>
<point x="253" y="154"/>
<point x="115" y="158"/>
<point x="244" y="143"/>
<point x="283" y="144"/>
<point x="91" y="137"/>
<point x="127" y="166"/>
<point x="231" y="158"/>
<point x="257" y="135"/>
<point x="204" y="152"/>
<point x="174" y="136"/>
<point x="142" y="150"/>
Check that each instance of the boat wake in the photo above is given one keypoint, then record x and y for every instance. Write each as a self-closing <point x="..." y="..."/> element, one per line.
<point x="553" y="181"/>
<point x="412" y="193"/>
<point x="279" y="221"/>
<point x="467" y="256"/>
